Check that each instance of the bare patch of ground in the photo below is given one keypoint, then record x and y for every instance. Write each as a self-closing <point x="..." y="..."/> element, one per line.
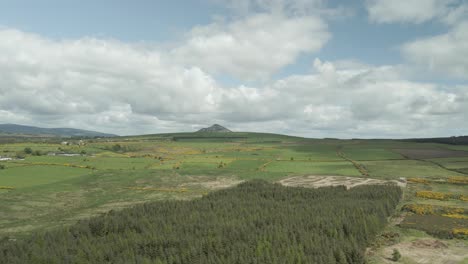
<point x="426" y="251"/>
<point x="213" y="184"/>
<point x="313" y="181"/>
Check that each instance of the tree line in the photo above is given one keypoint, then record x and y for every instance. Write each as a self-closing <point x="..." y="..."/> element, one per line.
<point x="255" y="222"/>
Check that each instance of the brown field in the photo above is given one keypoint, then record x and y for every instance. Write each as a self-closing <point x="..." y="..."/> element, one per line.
<point x="431" y="153"/>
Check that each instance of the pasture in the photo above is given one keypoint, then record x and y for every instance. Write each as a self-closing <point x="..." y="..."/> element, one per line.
<point x="57" y="184"/>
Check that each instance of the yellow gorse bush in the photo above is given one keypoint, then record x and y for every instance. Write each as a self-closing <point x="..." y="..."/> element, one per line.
<point x="458" y="180"/>
<point x="421" y="209"/>
<point x="440" y="196"/>
<point x="460" y="231"/>
<point x="425" y="209"/>
<point x="456" y="216"/>
<point x="418" y="180"/>
<point x="433" y="195"/>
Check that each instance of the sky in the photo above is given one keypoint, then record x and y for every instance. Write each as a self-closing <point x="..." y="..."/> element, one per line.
<point x="313" y="68"/>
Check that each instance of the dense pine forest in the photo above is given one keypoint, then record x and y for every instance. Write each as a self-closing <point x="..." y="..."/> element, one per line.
<point x="255" y="222"/>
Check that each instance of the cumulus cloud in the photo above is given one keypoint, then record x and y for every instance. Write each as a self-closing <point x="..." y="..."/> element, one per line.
<point x="347" y="102"/>
<point x="415" y="11"/>
<point x="40" y="76"/>
<point x="254" y="47"/>
<point x="125" y="88"/>
<point x="446" y="53"/>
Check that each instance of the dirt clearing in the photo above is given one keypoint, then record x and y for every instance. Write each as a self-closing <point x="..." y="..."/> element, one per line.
<point x="427" y="251"/>
<point x="313" y="181"/>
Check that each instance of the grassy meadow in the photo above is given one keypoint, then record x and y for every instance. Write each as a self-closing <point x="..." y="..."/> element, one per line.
<point x="49" y="183"/>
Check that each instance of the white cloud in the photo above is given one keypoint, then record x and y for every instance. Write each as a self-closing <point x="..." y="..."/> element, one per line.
<point x="254" y="47"/>
<point x="349" y="102"/>
<point x="122" y="88"/>
<point x="40" y="76"/>
<point x="446" y="53"/>
<point x="415" y="11"/>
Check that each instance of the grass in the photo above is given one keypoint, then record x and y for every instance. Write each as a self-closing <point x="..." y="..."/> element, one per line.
<point x="363" y="153"/>
<point x="317" y="168"/>
<point x="393" y="169"/>
<point x="27" y="176"/>
<point x="434" y="224"/>
<point x="47" y="196"/>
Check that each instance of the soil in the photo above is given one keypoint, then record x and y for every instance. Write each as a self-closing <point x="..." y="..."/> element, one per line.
<point x="313" y="181"/>
<point x="426" y="251"/>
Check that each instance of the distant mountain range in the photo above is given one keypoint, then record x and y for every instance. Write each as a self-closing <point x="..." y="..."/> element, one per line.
<point x="57" y="132"/>
<point x="214" y="128"/>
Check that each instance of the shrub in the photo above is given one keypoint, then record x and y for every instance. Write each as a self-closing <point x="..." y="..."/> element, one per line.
<point x="456" y="216"/>
<point x="19" y="156"/>
<point x="418" y="180"/>
<point x="116" y="147"/>
<point x="433" y="195"/>
<point x="458" y="180"/>
<point x="460" y="231"/>
<point x="28" y="150"/>
<point x="396" y="255"/>
<point x="421" y="209"/>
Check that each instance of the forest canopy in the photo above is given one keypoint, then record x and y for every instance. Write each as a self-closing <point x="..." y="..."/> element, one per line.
<point x="255" y="222"/>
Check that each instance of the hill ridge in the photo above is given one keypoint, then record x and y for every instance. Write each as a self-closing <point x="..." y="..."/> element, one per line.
<point x="60" y="132"/>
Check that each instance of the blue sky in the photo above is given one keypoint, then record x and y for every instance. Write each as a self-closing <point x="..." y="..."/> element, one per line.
<point x="300" y="67"/>
<point x="165" y="21"/>
<point x="145" y="20"/>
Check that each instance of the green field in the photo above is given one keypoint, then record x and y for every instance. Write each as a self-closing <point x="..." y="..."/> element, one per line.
<point x="35" y="175"/>
<point x="342" y="168"/>
<point x="41" y="190"/>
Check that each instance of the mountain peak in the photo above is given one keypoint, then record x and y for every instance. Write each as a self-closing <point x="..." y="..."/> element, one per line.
<point x="214" y="128"/>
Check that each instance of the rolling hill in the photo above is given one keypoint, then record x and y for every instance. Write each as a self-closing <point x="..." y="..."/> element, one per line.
<point x="15" y="129"/>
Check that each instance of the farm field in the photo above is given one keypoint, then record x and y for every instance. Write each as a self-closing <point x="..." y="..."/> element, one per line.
<point x="49" y="184"/>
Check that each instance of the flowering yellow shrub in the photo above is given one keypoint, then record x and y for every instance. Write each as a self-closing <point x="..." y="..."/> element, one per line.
<point x="458" y="180"/>
<point x="463" y="198"/>
<point x="453" y="210"/>
<point x="418" y="180"/>
<point x="7" y="188"/>
<point x="433" y="195"/>
<point x="456" y="216"/>
<point x="460" y="231"/>
<point x="422" y="209"/>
